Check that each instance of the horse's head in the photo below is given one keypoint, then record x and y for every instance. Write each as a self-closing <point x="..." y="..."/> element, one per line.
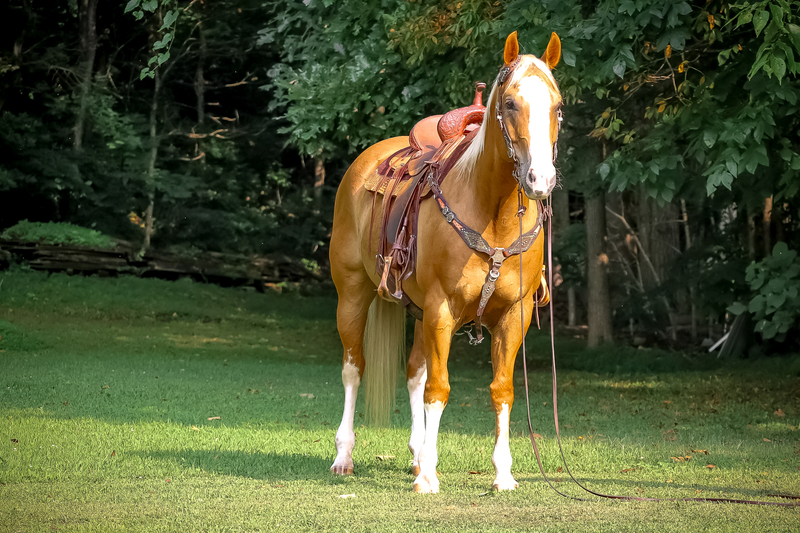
<point x="528" y="109"/>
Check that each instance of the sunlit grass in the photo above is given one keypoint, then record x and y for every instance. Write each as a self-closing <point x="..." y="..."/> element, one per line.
<point x="144" y="405"/>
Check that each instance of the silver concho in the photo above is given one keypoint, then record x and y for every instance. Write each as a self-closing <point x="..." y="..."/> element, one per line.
<point x="448" y="214"/>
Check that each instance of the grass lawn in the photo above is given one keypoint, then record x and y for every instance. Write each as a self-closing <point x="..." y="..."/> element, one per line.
<point x="144" y="405"/>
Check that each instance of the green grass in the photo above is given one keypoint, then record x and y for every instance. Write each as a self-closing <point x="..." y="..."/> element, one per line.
<point x="107" y="387"/>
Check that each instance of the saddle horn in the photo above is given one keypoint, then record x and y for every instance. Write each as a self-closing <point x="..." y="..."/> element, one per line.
<point x="454" y="123"/>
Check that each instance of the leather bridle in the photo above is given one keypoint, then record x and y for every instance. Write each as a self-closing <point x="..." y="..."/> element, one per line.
<point x="504" y="74"/>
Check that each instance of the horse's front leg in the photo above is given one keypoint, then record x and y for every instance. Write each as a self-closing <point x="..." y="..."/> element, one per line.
<point x="506" y="340"/>
<point x="437" y="331"/>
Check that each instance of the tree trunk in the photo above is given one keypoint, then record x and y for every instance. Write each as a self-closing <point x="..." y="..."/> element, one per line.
<point x="599" y="302"/>
<point x="150" y="177"/>
<point x="751" y="233"/>
<point x="572" y="319"/>
<point x="767" y="227"/>
<point x="87" y="14"/>
<point x="687" y="234"/>
<point x="199" y="79"/>
<point x="560" y="199"/>
<point x="319" y="179"/>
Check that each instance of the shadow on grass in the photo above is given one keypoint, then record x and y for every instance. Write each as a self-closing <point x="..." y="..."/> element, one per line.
<point x="273" y="467"/>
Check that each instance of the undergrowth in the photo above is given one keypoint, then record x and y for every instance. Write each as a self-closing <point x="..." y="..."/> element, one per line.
<point x="58" y="233"/>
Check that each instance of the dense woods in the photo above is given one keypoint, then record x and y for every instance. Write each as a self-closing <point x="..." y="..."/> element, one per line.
<point x="224" y="126"/>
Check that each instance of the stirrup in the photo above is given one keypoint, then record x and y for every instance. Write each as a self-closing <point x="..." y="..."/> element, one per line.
<point x="383" y="287"/>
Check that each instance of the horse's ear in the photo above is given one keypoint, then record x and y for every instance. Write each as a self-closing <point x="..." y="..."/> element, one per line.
<point x="552" y="55"/>
<point x="511" y="51"/>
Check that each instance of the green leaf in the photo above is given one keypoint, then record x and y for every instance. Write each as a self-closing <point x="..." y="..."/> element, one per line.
<point x="779" y="249"/>
<point x="169" y="19"/>
<point x="794" y="33"/>
<point x="775" y="300"/>
<point x="756" y="304"/>
<point x="778" y="66"/>
<point x="603" y="169"/>
<point x="619" y="68"/>
<point x="709" y="138"/>
<point x="777" y="14"/>
<point x="770" y="329"/>
<point x="569" y="58"/>
<point x="745" y="19"/>
<point x="760" y="21"/>
<point x="150" y="5"/>
<point x="133" y="4"/>
<point x="158" y="45"/>
<point x="737" y="308"/>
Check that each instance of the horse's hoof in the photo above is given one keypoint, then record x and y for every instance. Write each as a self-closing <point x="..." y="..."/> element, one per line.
<point x="425" y="485"/>
<point x="505" y="484"/>
<point x="415" y="470"/>
<point x="342" y="470"/>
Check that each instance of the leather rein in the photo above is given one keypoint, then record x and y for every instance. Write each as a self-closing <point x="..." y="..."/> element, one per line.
<point x="555" y="408"/>
<point x="523" y="243"/>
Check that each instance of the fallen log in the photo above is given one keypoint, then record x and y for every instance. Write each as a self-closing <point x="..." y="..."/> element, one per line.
<point x="208" y="266"/>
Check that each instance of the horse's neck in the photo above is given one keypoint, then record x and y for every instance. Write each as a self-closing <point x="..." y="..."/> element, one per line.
<point x="492" y="188"/>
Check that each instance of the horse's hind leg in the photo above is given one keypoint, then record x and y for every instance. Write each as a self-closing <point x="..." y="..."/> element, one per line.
<point x="355" y="295"/>
<point x="416" y="375"/>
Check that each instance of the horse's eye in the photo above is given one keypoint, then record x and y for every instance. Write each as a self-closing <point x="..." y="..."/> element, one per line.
<point x="510" y="105"/>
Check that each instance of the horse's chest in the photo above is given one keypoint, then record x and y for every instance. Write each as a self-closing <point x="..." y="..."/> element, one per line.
<point x="467" y="291"/>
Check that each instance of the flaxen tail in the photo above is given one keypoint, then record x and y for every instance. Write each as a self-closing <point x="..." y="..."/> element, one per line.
<point x="384" y="350"/>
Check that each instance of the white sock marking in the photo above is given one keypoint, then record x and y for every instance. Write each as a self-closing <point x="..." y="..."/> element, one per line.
<point x="428" y="456"/>
<point x="416" y="390"/>
<point x="345" y="437"/>
<point x="501" y="458"/>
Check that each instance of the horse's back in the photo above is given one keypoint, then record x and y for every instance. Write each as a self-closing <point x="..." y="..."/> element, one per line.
<point x="367" y="162"/>
<point x="352" y="212"/>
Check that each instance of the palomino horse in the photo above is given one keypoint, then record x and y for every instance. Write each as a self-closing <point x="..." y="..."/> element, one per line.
<point x="513" y="150"/>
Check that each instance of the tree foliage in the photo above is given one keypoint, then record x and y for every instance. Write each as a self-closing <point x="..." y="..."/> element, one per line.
<point x="684" y="112"/>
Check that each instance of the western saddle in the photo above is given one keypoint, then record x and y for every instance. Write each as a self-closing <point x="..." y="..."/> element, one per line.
<point x="411" y="175"/>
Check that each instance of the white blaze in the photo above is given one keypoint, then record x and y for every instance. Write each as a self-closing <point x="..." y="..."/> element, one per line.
<point x="536" y="94"/>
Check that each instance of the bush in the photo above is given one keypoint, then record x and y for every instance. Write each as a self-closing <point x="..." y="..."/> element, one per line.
<point x="58" y="233"/>
<point x="776" y="283"/>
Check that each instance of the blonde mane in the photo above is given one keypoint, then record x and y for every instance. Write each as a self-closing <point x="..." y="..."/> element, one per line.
<point x="465" y="166"/>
